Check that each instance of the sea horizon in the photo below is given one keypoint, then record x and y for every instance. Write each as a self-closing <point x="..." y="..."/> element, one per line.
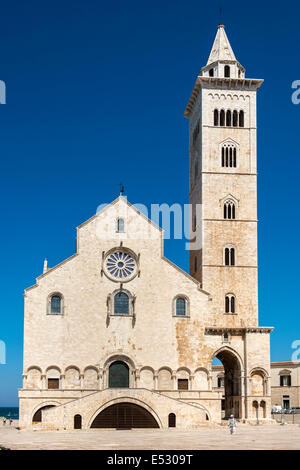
<point x="9" y="412"/>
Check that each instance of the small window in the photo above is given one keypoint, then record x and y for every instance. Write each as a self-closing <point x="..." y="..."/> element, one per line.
<point x="220" y="382"/>
<point x="229" y="304"/>
<point x="286" y="404"/>
<point x="120" y="225"/>
<point x="121" y="304"/>
<point x="180" y="307"/>
<point x="211" y="72"/>
<point x="172" y="420"/>
<point x="235" y="118"/>
<point x="229" y="210"/>
<point x="228" y="118"/>
<point x="183" y="384"/>
<point x="228" y="156"/>
<point x="285" y="381"/>
<point x="227" y="71"/>
<point x="53" y="384"/>
<point x="222" y="118"/>
<point x="55" y="305"/>
<point x="216" y="117"/>
<point x="77" y="422"/>
<point x="225" y="337"/>
<point x="241" y="119"/>
<point x="229" y="256"/>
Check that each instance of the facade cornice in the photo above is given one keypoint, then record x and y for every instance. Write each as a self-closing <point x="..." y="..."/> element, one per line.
<point x="211" y="330"/>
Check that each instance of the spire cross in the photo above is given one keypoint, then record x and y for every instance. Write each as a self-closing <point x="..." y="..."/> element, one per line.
<point x="122" y="189"/>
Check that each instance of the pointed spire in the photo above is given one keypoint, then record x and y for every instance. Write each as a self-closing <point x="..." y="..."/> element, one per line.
<point x="221" y="49"/>
<point x="45" y="266"/>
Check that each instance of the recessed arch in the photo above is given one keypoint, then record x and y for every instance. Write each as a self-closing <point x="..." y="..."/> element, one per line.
<point x="127" y="400"/>
<point x="35" y="368"/>
<point x="53" y="368"/>
<point x="42" y="406"/>
<point x="233" y="367"/>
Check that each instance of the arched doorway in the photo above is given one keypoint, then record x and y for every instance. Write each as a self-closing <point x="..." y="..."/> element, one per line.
<point x="232" y="383"/>
<point x="118" y="376"/>
<point x="124" y="416"/>
<point x="37" y="417"/>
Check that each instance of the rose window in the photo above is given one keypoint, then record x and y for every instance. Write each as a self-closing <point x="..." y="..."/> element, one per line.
<point x="120" y="266"/>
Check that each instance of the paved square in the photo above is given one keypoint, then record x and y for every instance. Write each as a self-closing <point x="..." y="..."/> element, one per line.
<point x="248" y="437"/>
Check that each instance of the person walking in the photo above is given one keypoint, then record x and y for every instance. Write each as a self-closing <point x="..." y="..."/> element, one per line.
<point x="232" y="424"/>
<point x="10" y="421"/>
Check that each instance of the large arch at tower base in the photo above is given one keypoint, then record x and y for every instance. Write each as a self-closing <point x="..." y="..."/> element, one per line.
<point x="124" y="416"/>
<point x="232" y="382"/>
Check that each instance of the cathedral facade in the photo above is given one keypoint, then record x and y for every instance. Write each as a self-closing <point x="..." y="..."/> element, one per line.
<point x="117" y="336"/>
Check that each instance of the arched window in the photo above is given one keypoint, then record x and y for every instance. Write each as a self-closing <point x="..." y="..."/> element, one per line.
<point x="120" y="225"/>
<point x="181" y="307"/>
<point x="172" y="420"/>
<point x="222" y="117"/>
<point x="229" y="303"/>
<point x="216" y="117"/>
<point x="229" y="256"/>
<point x="235" y="118"/>
<point x="228" y="156"/>
<point x="55" y="304"/>
<point x="121" y="303"/>
<point x="229" y="209"/>
<point x="241" y="118"/>
<point x="118" y="376"/>
<point x="227" y="71"/>
<point x="77" y="422"/>
<point x="211" y="72"/>
<point x="228" y="118"/>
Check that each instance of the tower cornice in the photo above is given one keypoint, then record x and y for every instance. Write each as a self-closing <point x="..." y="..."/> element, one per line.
<point x="219" y="83"/>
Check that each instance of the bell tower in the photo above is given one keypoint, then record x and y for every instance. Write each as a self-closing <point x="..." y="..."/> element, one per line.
<point x="222" y="129"/>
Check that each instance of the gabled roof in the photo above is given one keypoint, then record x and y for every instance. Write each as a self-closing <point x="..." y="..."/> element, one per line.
<point x="124" y="199"/>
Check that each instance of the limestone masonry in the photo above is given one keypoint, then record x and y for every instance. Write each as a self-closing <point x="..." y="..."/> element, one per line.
<point x="117" y="336"/>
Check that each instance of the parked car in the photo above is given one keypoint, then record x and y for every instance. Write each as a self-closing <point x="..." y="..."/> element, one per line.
<point x="295" y="409"/>
<point x="276" y="409"/>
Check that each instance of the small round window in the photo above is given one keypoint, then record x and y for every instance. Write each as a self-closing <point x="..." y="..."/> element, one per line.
<point x="120" y="265"/>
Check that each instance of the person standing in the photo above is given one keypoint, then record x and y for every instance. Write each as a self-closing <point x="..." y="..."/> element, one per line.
<point x="232" y="424"/>
<point x="4" y="420"/>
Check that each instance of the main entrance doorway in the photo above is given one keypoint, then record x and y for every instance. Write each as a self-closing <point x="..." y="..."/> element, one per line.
<point x="124" y="416"/>
<point x="118" y="375"/>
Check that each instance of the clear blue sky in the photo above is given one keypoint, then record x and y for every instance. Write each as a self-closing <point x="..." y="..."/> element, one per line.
<point x="95" y="95"/>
